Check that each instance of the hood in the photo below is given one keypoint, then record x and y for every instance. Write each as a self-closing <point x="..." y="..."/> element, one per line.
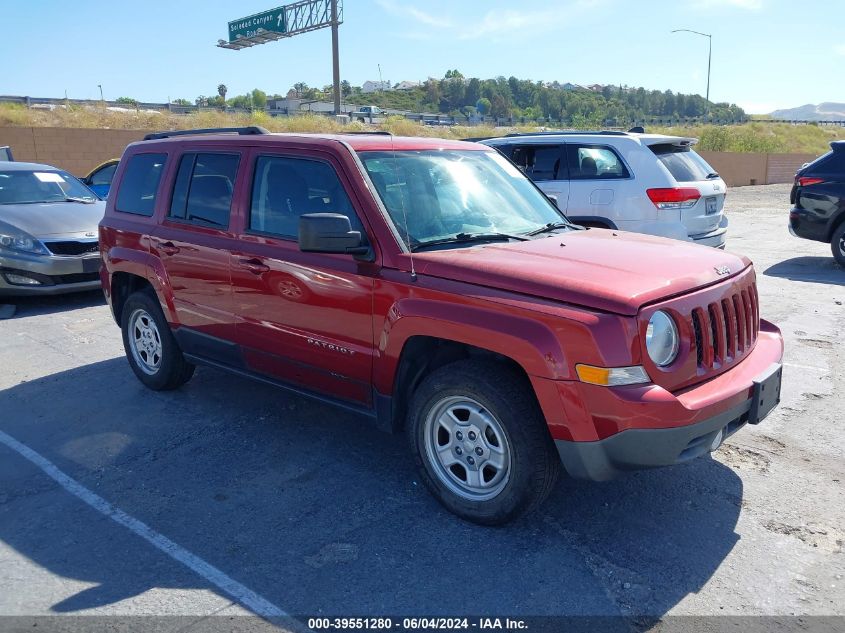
<point x="54" y="219"/>
<point x="612" y="271"/>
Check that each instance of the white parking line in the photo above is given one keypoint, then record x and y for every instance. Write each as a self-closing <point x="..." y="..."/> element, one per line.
<point x="236" y="590"/>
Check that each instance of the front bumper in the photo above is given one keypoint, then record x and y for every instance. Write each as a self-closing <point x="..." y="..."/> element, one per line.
<point x="638" y="449"/>
<point x="603" y="431"/>
<point x="55" y="274"/>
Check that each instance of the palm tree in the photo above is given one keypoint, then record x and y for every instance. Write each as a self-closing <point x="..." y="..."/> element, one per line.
<point x="222" y="90"/>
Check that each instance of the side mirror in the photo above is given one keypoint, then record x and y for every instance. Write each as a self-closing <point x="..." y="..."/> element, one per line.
<point x="553" y="198"/>
<point x="329" y="233"/>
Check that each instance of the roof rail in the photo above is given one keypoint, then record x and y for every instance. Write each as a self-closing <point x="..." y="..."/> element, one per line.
<point x="244" y="131"/>
<point x="381" y="132"/>
<point x="565" y="132"/>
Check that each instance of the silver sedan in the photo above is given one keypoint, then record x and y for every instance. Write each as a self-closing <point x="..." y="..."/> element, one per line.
<point x="48" y="231"/>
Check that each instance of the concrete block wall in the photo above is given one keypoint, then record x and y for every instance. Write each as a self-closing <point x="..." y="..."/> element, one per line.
<point x="75" y="150"/>
<point x="739" y="169"/>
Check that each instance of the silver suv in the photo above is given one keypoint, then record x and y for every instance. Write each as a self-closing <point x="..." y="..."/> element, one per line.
<point x="645" y="183"/>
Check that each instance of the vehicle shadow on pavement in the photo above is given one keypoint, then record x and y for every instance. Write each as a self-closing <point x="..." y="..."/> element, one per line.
<point x="33" y="306"/>
<point x="321" y="514"/>
<point x="820" y="270"/>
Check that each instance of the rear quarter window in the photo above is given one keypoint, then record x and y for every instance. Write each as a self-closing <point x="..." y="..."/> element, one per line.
<point x="682" y="162"/>
<point x="139" y="186"/>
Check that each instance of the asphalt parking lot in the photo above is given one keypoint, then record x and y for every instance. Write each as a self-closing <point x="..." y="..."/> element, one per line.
<point x="308" y="510"/>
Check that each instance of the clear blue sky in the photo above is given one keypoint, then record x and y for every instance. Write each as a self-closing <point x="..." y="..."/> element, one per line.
<point x="766" y="53"/>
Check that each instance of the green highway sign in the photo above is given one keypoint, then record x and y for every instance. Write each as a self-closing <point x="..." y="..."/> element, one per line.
<point x="272" y="20"/>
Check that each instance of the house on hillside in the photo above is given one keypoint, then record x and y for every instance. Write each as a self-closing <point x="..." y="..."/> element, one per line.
<point x="571" y="86"/>
<point x="375" y="86"/>
<point x="407" y="85"/>
<point x="595" y="87"/>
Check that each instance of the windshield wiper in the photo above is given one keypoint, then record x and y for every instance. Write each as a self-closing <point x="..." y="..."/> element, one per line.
<point x="712" y="175"/>
<point x="462" y="238"/>
<point x="82" y="200"/>
<point x="554" y="226"/>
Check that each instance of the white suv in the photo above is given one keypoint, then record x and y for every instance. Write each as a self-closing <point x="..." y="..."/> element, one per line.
<point x="645" y="183"/>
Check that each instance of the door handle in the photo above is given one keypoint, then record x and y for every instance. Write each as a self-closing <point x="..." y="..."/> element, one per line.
<point x="168" y="248"/>
<point x="255" y="266"/>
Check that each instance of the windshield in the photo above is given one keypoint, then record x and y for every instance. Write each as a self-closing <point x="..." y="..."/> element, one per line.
<point x="23" y="187"/>
<point x="443" y="193"/>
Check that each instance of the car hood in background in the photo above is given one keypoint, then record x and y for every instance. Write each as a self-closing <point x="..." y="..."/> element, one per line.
<point x="607" y="270"/>
<point x="54" y="218"/>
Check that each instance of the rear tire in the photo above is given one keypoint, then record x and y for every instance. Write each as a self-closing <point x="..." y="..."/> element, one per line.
<point x="837" y="244"/>
<point x="481" y="442"/>
<point x="152" y="351"/>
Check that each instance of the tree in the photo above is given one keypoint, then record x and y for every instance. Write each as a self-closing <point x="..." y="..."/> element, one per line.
<point x="222" y="90"/>
<point x="181" y="102"/>
<point x="128" y="101"/>
<point x="345" y="88"/>
<point x="259" y="99"/>
<point x="300" y="87"/>
<point x="483" y="106"/>
<point x="241" y="101"/>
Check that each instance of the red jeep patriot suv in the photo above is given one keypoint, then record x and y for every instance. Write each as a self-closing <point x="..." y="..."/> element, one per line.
<point x="430" y="286"/>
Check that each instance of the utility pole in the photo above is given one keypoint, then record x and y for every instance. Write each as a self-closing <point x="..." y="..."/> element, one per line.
<point x="335" y="59"/>
<point x="100" y="86"/>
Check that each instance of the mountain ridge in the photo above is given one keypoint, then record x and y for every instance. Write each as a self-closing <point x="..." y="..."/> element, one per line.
<point x="826" y="111"/>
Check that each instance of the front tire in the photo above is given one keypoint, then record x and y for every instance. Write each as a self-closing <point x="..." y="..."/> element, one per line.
<point x="481" y="443"/>
<point x="150" y="347"/>
<point x="837" y="244"/>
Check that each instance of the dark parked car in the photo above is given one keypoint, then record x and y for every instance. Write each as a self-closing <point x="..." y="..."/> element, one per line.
<point x="99" y="179"/>
<point x="818" y="201"/>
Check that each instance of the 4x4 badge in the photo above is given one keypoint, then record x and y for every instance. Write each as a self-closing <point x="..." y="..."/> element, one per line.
<point x="722" y="270"/>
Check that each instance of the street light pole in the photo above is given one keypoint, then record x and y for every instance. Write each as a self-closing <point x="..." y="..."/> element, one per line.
<point x="335" y="59"/>
<point x="709" y="52"/>
<point x="100" y="86"/>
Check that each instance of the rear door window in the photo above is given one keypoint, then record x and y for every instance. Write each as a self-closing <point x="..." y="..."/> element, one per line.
<point x="285" y="188"/>
<point x="683" y="163"/>
<point x="539" y="162"/>
<point x="203" y="190"/>
<point x="594" y="162"/>
<point x="139" y="186"/>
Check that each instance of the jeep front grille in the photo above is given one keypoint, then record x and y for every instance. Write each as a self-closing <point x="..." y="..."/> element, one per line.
<point x="726" y="330"/>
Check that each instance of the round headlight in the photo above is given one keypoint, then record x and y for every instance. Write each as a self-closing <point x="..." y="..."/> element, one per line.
<point x="661" y="339"/>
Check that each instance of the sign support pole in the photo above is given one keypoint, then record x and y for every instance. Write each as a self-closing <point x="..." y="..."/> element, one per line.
<point x="335" y="59"/>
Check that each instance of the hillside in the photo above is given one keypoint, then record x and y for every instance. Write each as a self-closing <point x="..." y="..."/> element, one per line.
<point x="828" y="111"/>
<point x="503" y="98"/>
